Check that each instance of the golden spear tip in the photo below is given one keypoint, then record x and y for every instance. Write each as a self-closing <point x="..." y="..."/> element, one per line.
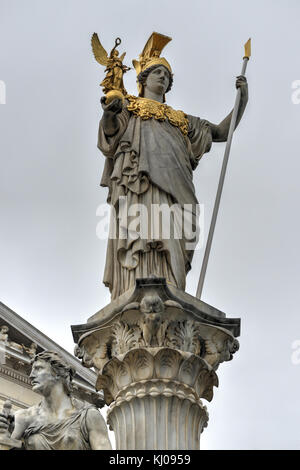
<point x="247" y="47"/>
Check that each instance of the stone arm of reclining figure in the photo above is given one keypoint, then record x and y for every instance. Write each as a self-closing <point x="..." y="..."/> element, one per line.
<point x="15" y="424"/>
<point x="97" y="430"/>
<point x="21" y="422"/>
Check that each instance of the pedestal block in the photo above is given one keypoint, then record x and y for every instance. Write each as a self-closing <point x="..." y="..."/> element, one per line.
<point x="156" y="350"/>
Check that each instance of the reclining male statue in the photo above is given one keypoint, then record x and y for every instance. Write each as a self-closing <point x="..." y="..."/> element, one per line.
<point x="59" y="421"/>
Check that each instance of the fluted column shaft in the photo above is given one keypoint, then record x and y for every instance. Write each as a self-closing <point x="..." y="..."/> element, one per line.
<point x="158" y="422"/>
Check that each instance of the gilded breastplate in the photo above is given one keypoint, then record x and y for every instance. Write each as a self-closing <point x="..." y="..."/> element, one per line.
<point x="147" y="109"/>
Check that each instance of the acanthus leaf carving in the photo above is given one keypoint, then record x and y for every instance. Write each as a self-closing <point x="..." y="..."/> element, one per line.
<point x="147" y="324"/>
<point x="184" y="336"/>
<point x="163" y="365"/>
<point x="124" y="338"/>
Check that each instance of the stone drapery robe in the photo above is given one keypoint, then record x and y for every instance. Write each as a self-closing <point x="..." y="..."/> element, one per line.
<point x="64" y="434"/>
<point x="149" y="162"/>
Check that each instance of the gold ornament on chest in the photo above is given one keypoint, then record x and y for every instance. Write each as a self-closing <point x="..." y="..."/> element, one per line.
<point x="147" y="109"/>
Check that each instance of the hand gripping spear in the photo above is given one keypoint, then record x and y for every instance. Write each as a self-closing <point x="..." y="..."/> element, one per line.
<point x="222" y="175"/>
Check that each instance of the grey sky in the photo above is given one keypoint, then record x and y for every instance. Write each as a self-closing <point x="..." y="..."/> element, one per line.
<point x="51" y="259"/>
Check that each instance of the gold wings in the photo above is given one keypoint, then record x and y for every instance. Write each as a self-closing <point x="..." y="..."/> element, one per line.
<point x="100" y="53"/>
<point x="122" y="56"/>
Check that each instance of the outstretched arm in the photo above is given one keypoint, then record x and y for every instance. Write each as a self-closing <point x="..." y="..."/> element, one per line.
<point x="109" y="119"/>
<point x="220" y="131"/>
<point x="98" y="435"/>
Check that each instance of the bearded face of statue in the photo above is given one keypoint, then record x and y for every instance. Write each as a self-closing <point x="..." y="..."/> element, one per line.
<point x="42" y="377"/>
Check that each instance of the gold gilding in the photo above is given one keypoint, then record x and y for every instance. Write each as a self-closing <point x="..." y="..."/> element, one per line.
<point x="147" y="109"/>
<point x="247" y="49"/>
<point x="112" y="85"/>
<point x="151" y="55"/>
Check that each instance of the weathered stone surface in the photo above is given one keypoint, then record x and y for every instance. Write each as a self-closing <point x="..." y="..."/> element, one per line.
<point x="158" y="421"/>
<point x="157" y="365"/>
<point x="7" y="443"/>
<point x="58" y="422"/>
<point x="173" y="300"/>
<point x="156" y="351"/>
<point x="155" y="398"/>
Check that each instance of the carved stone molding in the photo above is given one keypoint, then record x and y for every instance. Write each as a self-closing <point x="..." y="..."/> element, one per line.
<point x="148" y="324"/>
<point x="157" y="390"/>
<point x="15" y="375"/>
<point x="194" y="377"/>
<point x="156" y="350"/>
<point x="33" y="335"/>
<point x="176" y="304"/>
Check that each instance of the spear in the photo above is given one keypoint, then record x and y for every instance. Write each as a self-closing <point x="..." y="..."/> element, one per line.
<point x="222" y="175"/>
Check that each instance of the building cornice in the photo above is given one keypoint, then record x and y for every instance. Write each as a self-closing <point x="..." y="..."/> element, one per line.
<point x="36" y="336"/>
<point x="16" y="376"/>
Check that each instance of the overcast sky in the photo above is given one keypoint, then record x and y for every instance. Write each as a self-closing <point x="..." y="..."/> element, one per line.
<point x="51" y="259"/>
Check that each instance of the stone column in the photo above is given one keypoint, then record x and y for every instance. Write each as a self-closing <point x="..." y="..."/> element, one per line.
<point x="155" y="398"/>
<point x="156" y="357"/>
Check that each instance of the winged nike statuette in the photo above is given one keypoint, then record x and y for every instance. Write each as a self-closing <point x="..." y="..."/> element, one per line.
<point x="113" y="86"/>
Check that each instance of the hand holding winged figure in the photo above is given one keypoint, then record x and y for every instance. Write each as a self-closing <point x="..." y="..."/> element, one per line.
<point x="113" y="86"/>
